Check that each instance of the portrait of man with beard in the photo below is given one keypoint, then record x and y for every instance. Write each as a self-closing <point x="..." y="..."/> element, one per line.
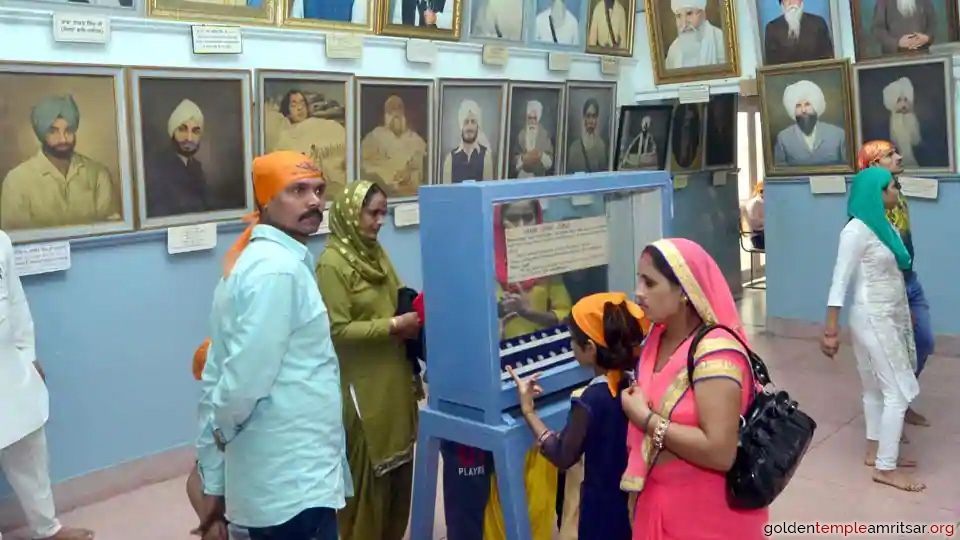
<point x="810" y="140"/>
<point x="642" y="139"/>
<point x="797" y="30"/>
<point x="195" y="146"/>
<point x="394" y="151"/>
<point x="909" y="103"/>
<point x="891" y="27"/>
<point x="698" y="42"/>
<point x="589" y="128"/>
<point x="686" y="137"/>
<point x="58" y="186"/>
<point x="534" y="122"/>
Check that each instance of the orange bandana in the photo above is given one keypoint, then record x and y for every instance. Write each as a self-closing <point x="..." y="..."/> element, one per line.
<point x="271" y="174"/>
<point x="872" y="151"/>
<point x="588" y="314"/>
<point x="200" y="359"/>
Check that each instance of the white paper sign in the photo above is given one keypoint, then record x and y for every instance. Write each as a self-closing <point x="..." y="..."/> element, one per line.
<point x="694" y="93"/>
<point x="344" y="46"/>
<point x="188" y="238"/>
<point x="73" y="28"/>
<point x="828" y="185"/>
<point x="32" y="259"/>
<point x="553" y="248"/>
<point x="324" y="227"/>
<point x="406" y="215"/>
<point x="921" y="188"/>
<point x="720" y="178"/>
<point x="421" y="51"/>
<point x="214" y="39"/>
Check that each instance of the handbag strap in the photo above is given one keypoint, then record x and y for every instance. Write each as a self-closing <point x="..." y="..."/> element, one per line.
<point x="757" y="368"/>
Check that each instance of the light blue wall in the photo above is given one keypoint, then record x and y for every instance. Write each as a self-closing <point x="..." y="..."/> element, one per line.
<point x="708" y="215"/>
<point x="802" y="233"/>
<point x="116" y="335"/>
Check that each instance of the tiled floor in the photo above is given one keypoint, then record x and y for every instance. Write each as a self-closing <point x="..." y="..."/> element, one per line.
<point x="832" y="485"/>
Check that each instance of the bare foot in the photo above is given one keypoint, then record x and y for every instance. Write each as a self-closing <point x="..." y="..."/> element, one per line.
<point x="870" y="461"/>
<point x="916" y="419"/>
<point x="72" y="534"/>
<point x="899" y="480"/>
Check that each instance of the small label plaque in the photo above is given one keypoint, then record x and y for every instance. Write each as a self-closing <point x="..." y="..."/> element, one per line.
<point x="32" y="259"/>
<point x="215" y="39"/>
<point x="71" y="28"/>
<point x="344" y="46"/>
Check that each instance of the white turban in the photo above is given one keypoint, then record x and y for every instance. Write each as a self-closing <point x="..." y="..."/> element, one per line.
<point x="536" y="108"/>
<point x="468" y="107"/>
<point x="900" y="88"/>
<point x="186" y="110"/>
<point x="803" y="91"/>
<point x="680" y="5"/>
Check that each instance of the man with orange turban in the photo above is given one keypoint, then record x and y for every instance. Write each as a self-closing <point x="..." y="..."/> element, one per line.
<point x="272" y="449"/>
<point x="884" y="154"/>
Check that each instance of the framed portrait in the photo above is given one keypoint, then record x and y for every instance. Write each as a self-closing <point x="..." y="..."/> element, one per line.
<point x="235" y="11"/>
<point x="534" y="140"/>
<point x="720" y="139"/>
<point x="335" y="15"/>
<point x="128" y="8"/>
<point x="909" y="102"/>
<point x="589" y="123"/>
<point x="796" y="30"/>
<point x="500" y="21"/>
<point x="192" y="135"/>
<point x="805" y="112"/>
<point x="686" y="138"/>
<point x="693" y="40"/>
<point x="65" y="162"/>
<point x="610" y="26"/>
<point x="643" y="135"/>
<point x="395" y="126"/>
<point x="426" y="19"/>
<point x="471" y="126"/>
<point x="559" y="24"/>
<point x="893" y="27"/>
<point x="308" y="112"/>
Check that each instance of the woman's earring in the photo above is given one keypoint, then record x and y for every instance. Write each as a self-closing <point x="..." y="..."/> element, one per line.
<point x="685" y="299"/>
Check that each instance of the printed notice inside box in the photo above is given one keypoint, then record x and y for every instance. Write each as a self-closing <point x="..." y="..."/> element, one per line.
<point x="32" y="259"/>
<point x="191" y="238"/>
<point x="539" y="251"/>
<point x="72" y="28"/>
<point x="213" y="39"/>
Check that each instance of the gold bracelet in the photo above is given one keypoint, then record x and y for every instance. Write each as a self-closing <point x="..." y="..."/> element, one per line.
<point x="660" y="433"/>
<point x="393" y="325"/>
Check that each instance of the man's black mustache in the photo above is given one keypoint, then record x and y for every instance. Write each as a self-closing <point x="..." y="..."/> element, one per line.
<point x="311" y="213"/>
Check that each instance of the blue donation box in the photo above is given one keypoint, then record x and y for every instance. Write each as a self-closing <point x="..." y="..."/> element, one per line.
<point x="503" y="262"/>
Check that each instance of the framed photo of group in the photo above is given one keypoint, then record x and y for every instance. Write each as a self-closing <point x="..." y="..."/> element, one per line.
<point x="63" y="126"/>
<point x="693" y="40"/>
<point x="807" y="119"/>
<point x="910" y="102"/>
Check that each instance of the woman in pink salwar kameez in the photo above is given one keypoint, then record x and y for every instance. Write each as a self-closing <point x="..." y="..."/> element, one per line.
<point x="682" y="440"/>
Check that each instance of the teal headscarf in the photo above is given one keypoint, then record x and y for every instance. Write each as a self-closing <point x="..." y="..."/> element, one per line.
<point x="47" y="111"/>
<point x="866" y="204"/>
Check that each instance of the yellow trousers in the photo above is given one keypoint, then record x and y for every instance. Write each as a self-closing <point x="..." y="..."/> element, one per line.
<point x="540" y="478"/>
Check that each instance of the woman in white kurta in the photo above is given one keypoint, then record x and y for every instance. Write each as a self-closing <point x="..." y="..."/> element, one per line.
<point x="872" y="253"/>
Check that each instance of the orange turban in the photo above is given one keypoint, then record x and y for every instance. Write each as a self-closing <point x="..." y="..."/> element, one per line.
<point x="872" y="151"/>
<point x="200" y="359"/>
<point x="588" y="315"/>
<point x="271" y="174"/>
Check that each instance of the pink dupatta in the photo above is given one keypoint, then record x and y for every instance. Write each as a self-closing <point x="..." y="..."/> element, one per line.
<point x="676" y="499"/>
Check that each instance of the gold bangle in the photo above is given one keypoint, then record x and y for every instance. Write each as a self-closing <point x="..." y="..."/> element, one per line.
<point x="393" y="325"/>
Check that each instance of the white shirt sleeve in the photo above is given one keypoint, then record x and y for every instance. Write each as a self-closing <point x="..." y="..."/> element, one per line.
<point x="21" y="320"/>
<point x="853" y="243"/>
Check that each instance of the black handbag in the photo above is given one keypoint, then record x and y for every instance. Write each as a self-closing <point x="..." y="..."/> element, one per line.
<point x="774" y="436"/>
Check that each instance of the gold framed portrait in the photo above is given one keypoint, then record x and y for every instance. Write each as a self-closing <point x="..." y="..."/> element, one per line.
<point x="425" y="19"/>
<point x="395" y="134"/>
<point x="806" y="113"/>
<point x="192" y="135"/>
<point x="693" y="40"/>
<point x="65" y="161"/>
<point x="611" y="27"/>
<point x="333" y="15"/>
<point x="256" y="12"/>
<point x="311" y="113"/>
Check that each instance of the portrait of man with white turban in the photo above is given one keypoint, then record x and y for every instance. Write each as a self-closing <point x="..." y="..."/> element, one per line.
<point x="909" y="103"/>
<point x="798" y="31"/>
<point x="195" y="146"/>
<point x="699" y="42"/>
<point x="809" y="140"/>
<point x="610" y="26"/>
<point x="473" y="157"/>
<point x="57" y="186"/>
<point x="534" y="120"/>
<point x="496" y="19"/>
<point x="642" y="139"/>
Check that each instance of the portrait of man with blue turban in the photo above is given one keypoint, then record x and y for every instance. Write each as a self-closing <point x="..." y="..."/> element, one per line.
<point x="58" y="186"/>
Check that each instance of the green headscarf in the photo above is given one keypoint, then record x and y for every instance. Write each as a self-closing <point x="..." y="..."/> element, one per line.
<point x="866" y="204"/>
<point x="363" y="254"/>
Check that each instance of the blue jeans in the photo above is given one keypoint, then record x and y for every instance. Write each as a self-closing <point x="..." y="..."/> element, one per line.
<point x="311" y="524"/>
<point x="922" y="329"/>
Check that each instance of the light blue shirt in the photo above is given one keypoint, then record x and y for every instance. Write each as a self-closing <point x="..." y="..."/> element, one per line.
<point x="271" y="385"/>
